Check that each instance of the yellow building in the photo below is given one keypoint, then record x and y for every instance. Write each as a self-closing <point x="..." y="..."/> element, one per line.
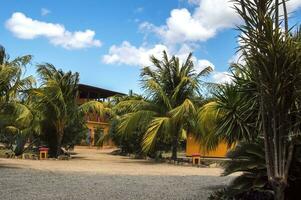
<point x="94" y="123"/>
<point x="193" y="147"/>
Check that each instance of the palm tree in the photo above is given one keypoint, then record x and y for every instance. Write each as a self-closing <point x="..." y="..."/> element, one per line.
<point x="15" y="115"/>
<point x="57" y="101"/>
<point x="167" y="112"/>
<point x="12" y="81"/>
<point x="230" y="116"/>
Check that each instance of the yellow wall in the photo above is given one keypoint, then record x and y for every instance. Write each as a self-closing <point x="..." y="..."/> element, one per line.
<point x="194" y="147"/>
<point x="94" y="125"/>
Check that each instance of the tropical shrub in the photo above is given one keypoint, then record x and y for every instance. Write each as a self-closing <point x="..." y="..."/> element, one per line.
<point x="75" y="131"/>
<point x="223" y="194"/>
<point x="249" y="159"/>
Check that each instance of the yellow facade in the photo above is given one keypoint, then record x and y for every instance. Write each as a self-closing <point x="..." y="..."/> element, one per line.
<point x="194" y="147"/>
<point x="88" y="93"/>
<point x="93" y="126"/>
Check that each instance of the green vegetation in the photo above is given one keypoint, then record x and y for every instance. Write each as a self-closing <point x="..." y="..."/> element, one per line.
<point x="262" y="103"/>
<point x="17" y="115"/>
<point x="258" y="113"/>
<point x="44" y="115"/>
<point x="168" y="111"/>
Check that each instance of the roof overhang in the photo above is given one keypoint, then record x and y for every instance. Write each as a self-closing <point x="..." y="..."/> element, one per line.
<point x="96" y="92"/>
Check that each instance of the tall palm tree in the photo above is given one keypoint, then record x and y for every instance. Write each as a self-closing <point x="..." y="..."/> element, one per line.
<point x="167" y="112"/>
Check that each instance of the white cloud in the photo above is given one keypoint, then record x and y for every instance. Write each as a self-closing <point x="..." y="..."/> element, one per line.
<point x="199" y="64"/>
<point x="130" y="55"/>
<point x="24" y="27"/>
<point x="127" y="54"/>
<point x="45" y="11"/>
<point x="221" y="77"/>
<point x="293" y="5"/>
<point x="202" y="64"/>
<point x="203" y="23"/>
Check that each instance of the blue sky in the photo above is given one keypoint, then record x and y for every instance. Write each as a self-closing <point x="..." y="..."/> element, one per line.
<point x="108" y="41"/>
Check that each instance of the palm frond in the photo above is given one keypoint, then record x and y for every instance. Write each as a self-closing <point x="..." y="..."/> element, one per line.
<point x="132" y="121"/>
<point x="95" y="107"/>
<point x="158" y="125"/>
<point x="185" y="110"/>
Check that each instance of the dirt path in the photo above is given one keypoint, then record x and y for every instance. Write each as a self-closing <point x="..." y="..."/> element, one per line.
<point x="94" y="174"/>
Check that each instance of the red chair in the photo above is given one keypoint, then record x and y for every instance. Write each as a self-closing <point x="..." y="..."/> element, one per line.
<point x="43" y="153"/>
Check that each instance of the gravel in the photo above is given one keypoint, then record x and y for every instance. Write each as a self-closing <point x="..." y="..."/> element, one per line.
<point x="96" y="175"/>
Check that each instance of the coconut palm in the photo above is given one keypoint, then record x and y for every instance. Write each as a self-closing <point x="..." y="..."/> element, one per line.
<point x="15" y="115"/>
<point x="57" y="101"/>
<point x="12" y="81"/>
<point x="167" y="112"/>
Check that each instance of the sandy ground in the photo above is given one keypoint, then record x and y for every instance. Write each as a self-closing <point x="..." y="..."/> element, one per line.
<point x="94" y="174"/>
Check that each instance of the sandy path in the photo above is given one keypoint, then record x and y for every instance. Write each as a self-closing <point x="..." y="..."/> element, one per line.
<point x="93" y="174"/>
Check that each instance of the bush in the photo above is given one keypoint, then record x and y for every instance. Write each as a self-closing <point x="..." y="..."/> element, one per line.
<point x="225" y="194"/>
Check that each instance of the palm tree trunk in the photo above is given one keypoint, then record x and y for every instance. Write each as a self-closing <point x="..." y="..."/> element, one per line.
<point x="60" y="133"/>
<point x="279" y="191"/>
<point x="21" y="141"/>
<point x="58" y="144"/>
<point x="174" y="155"/>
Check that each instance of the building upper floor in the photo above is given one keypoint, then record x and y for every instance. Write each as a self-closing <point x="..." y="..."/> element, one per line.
<point x="90" y="93"/>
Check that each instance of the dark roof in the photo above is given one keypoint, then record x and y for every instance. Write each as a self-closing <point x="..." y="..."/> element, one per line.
<point x="95" y="92"/>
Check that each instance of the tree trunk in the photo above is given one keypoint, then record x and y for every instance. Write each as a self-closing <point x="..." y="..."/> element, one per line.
<point x="58" y="144"/>
<point x="279" y="191"/>
<point x="21" y="141"/>
<point x="174" y="155"/>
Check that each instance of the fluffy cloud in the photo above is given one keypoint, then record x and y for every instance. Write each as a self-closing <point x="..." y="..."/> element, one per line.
<point x="293" y="5"/>
<point x="24" y="27"/>
<point x="203" y="23"/>
<point x="130" y="55"/>
<point x="221" y="77"/>
<point x="127" y="54"/>
<point x="202" y="64"/>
